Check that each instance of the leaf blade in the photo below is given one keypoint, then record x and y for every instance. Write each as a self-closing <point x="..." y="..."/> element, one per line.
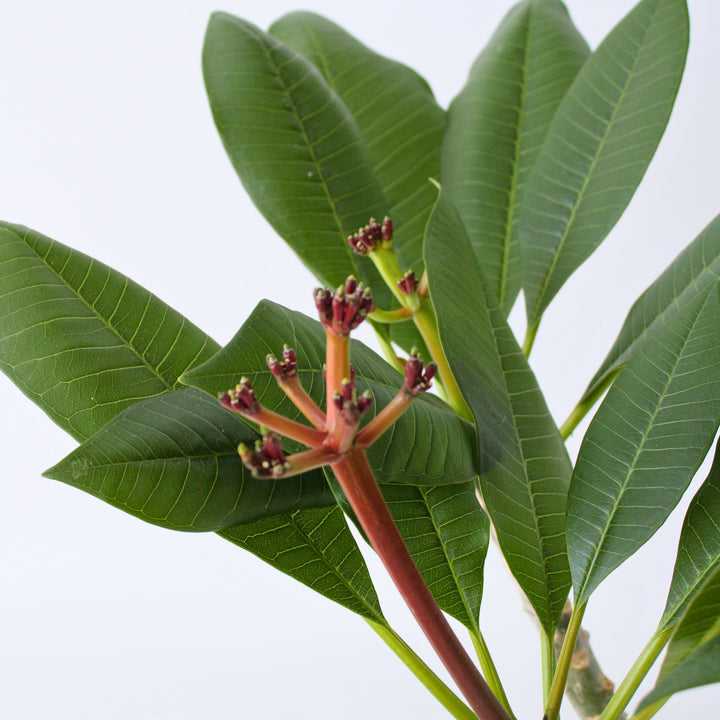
<point x="601" y="141"/>
<point x="172" y="461"/>
<point x="80" y="339"/>
<point x="691" y="272"/>
<point x="524" y="468"/>
<point x="294" y="145"/>
<point x="693" y="655"/>
<point x="314" y="547"/>
<point x="395" y="112"/>
<point x="698" y="554"/>
<point x="645" y="443"/>
<point x="496" y="126"/>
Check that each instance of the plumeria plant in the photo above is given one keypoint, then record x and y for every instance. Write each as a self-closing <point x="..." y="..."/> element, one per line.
<point x="427" y="225"/>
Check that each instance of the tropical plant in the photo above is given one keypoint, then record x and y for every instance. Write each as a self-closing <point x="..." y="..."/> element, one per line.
<point x="508" y="192"/>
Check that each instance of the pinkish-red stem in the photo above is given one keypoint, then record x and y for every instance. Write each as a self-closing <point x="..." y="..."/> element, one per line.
<point x="358" y="483"/>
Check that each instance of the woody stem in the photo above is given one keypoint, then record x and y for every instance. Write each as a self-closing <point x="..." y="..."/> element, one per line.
<point x="358" y="483"/>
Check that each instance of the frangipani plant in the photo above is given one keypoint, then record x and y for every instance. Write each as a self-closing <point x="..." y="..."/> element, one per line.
<point x="494" y="387"/>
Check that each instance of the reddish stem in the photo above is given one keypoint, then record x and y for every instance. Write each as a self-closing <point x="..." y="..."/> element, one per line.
<point x="384" y="419"/>
<point x="358" y="483"/>
<point x="303" y="402"/>
<point x="337" y="369"/>
<point x="289" y="428"/>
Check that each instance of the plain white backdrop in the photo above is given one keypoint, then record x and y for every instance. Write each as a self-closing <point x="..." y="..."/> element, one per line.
<point x="107" y="145"/>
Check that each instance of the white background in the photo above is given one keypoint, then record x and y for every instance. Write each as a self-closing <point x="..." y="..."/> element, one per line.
<point x="107" y="144"/>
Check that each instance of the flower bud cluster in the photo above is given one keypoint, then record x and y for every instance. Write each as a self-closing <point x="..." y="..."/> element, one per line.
<point x="418" y="377"/>
<point x="408" y="283"/>
<point x="268" y="459"/>
<point x="286" y="368"/>
<point x="345" y="308"/>
<point x="346" y="400"/>
<point x="367" y="238"/>
<point x="241" y="398"/>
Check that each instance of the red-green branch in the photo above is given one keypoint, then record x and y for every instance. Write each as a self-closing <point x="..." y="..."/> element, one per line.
<point x="358" y="483"/>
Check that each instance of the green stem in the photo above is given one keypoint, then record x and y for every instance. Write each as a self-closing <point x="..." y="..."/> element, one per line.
<point x="557" y="688"/>
<point x="357" y="481"/>
<point x="449" y="700"/>
<point x="426" y="323"/>
<point x="547" y="658"/>
<point x="529" y="341"/>
<point x="628" y="687"/>
<point x="585" y="405"/>
<point x="489" y="670"/>
<point x="650" y="711"/>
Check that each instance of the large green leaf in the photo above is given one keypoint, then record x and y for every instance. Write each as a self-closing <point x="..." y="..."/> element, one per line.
<point x="693" y="656"/>
<point x="693" y="270"/>
<point x="396" y="114"/>
<point x="599" y="145"/>
<point x="496" y="126"/>
<point x="645" y="443"/>
<point x="698" y="554"/>
<point x="172" y="460"/>
<point x="315" y="547"/>
<point x="524" y="466"/>
<point x="294" y="144"/>
<point x="428" y="445"/>
<point x="82" y="341"/>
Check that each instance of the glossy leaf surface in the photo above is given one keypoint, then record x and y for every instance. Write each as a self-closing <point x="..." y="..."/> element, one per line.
<point x="692" y="271"/>
<point x="599" y="145"/>
<point x="524" y="468"/>
<point x="645" y="443"/>
<point x="173" y="461"/>
<point x="294" y="145"/>
<point x="400" y="123"/>
<point x="314" y="547"/>
<point x="496" y="126"/>
<point x="693" y="655"/>
<point x="428" y="445"/>
<point x="81" y="340"/>
<point x="699" y="548"/>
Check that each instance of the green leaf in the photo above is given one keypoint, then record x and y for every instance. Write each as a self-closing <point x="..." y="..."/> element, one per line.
<point x="525" y="470"/>
<point x="428" y="445"/>
<point x="690" y="273"/>
<point x="698" y="554"/>
<point x="645" y="443"/>
<point x="172" y="461"/>
<point x="294" y="145"/>
<point x="693" y="655"/>
<point x="81" y="340"/>
<point x="315" y="547"/>
<point x="599" y="145"/>
<point x="496" y="126"/>
<point x="397" y="116"/>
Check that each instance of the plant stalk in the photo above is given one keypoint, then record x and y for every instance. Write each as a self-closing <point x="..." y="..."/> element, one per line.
<point x="358" y="483"/>
<point x="557" y="688"/>
<point x="489" y="670"/>
<point x="547" y="659"/>
<point x="641" y="667"/>
<point x="426" y="323"/>
<point x="447" y="698"/>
